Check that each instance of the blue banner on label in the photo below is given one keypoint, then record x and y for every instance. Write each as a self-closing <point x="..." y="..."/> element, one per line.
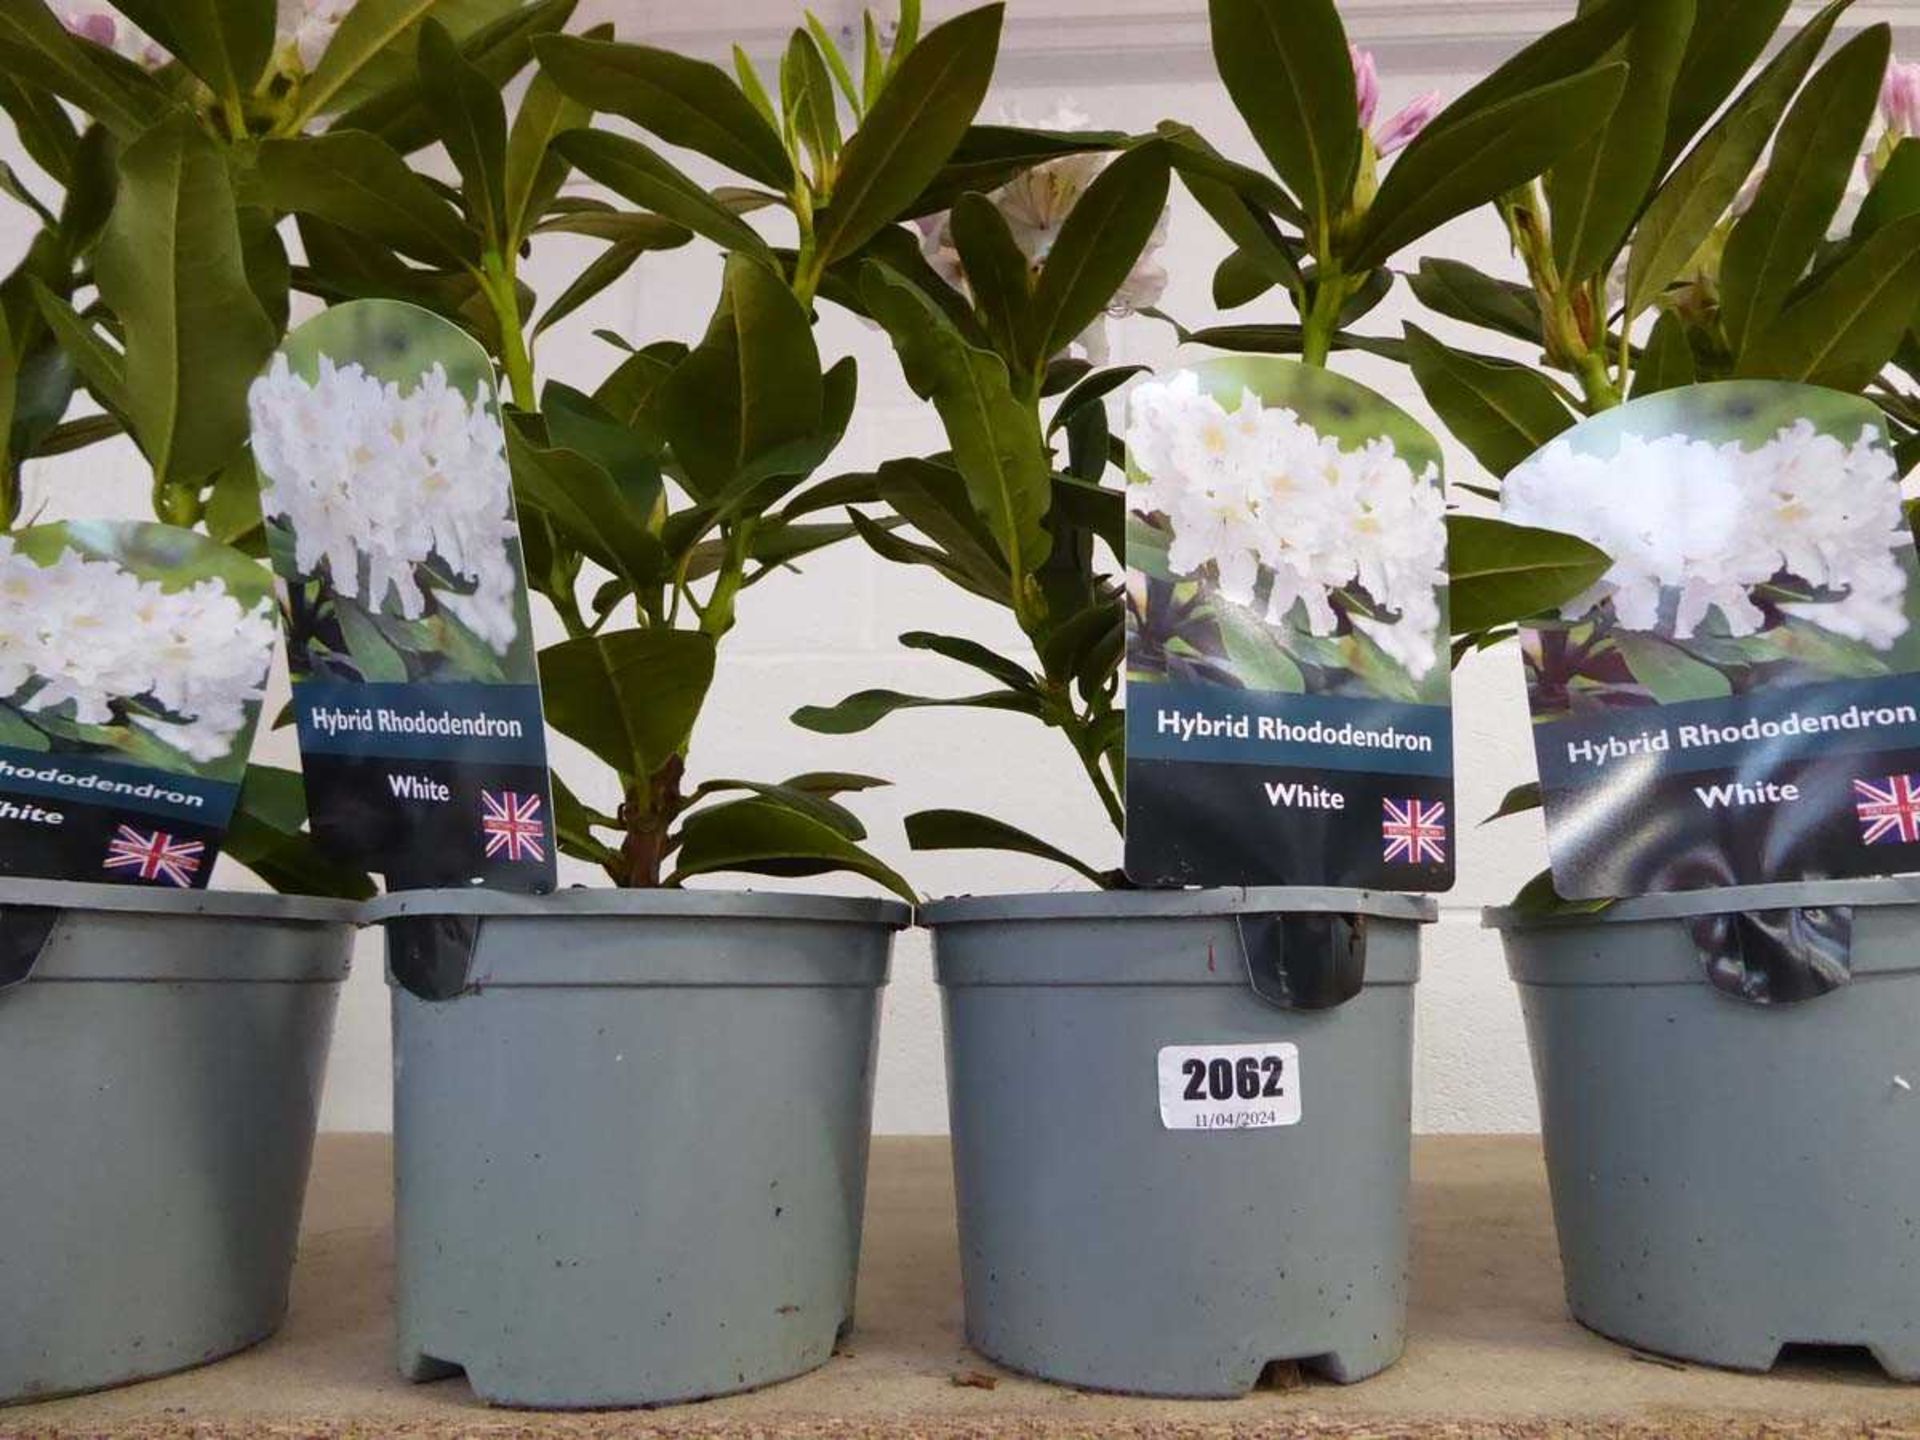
<point x="1783" y="725"/>
<point x="1204" y="723"/>
<point x="478" y="724"/>
<point x="121" y="787"/>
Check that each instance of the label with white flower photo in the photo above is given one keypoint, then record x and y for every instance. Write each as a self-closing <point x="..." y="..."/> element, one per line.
<point x="1288" y="701"/>
<point x="390" y="519"/>
<point x="1737" y="699"/>
<point x="133" y="660"/>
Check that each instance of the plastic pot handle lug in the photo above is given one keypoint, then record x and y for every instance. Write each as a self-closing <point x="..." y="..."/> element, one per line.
<point x="1777" y="957"/>
<point x="431" y="956"/>
<point x="24" y="932"/>
<point x="1304" y="962"/>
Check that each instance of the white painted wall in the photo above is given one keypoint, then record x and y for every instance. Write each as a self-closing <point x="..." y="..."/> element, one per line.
<point x="818" y="635"/>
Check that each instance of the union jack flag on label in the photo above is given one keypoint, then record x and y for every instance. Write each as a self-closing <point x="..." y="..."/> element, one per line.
<point x="155" y="856"/>
<point x="1414" y="832"/>
<point x="512" y="825"/>
<point x="1888" y="810"/>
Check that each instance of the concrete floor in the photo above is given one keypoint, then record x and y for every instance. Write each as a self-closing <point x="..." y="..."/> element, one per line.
<point x="1492" y="1351"/>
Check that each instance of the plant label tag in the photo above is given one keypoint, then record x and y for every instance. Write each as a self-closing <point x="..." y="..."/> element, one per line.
<point x="133" y="661"/>
<point x="1736" y="701"/>
<point x="390" y="518"/>
<point x="1288" y="698"/>
<point x="1229" y="1087"/>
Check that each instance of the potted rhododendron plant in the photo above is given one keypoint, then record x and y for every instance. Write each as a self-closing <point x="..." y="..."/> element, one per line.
<point x="649" y="504"/>
<point x="179" y="1034"/>
<point x="172" y="149"/>
<point x="1714" y="391"/>
<point x="1060" y="1007"/>
<point x="168" y="147"/>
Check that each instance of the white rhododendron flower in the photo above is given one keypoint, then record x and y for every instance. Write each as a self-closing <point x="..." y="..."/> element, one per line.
<point x="1258" y="493"/>
<point x="83" y="637"/>
<point x="1695" y="528"/>
<point x="375" y="483"/>
<point x="305" y="29"/>
<point x="1036" y="205"/>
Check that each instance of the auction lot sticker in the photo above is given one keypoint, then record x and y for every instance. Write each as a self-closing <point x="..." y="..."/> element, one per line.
<point x="1229" y="1087"/>
<point x="133" y="660"/>
<point x="390" y="520"/>
<point x="1288" y="717"/>
<point x="1737" y="700"/>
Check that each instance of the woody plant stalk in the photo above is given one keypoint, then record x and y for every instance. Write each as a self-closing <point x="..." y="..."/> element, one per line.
<point x="690" y="474"/>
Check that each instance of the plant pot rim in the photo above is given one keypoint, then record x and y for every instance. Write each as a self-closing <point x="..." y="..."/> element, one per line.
<point x="1723" y="900"/>
<point x="585" y="904"/>
<point x="1179" y="905"/>
<point x="140" y="900"/>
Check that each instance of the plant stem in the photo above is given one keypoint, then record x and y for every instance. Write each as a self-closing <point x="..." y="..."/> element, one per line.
<point x="1079" y="731"/>
<point x="568" y="608"/>
<point x="806" y="275"/>
<point x="500" y="282"/>
<point x="1116" y="811"/>
<point x="807" y="265"/>
<point x="1570" y="340"/>
<point x="718" y="616"/>
<point x="652" y="805"/>
<point x="1596" y="383"/>
<point x="1323" y="319"/>
<point x="233" y="114"/>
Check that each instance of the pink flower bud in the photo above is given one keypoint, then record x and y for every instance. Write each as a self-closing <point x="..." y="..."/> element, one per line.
<point x="1900" y="98"/>
<point x="1403" y="129"/>
<point x="92" y="21"/>
<point x="97" y="26"/>
<point x="1366" y="81"/>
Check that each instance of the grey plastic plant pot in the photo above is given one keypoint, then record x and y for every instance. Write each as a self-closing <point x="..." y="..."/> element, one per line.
<point x="1729" y="1178"/>
<point x="161" y="1053"/>
<point x="1101" y="1248"/>
<point x="631" y="1147"/>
